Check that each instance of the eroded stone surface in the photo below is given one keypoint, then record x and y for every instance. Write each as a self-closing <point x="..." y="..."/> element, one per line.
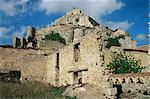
<point x="82" y="60"/>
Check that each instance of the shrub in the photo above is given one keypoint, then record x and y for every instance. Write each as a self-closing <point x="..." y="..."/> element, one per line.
<point x="54" y="37"/>
<point x="121" y="63"/>
<point x="56" y="91"/>
<point x="112" y="42"/>
<point x="71" y="97"/>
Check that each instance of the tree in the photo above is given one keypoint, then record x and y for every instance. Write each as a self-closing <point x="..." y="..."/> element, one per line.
<point x="121" y="63"/>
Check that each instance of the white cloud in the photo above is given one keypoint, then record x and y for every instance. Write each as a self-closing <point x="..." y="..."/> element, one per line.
<point x="94" y="8"/>
<point x="140" y="36"/>
<point x="20" y="32"/>
<point x="7" y="32"/>
<point x="4" y="31"/>
<point x="10" y="7"/>
<point x="118" y="25"/>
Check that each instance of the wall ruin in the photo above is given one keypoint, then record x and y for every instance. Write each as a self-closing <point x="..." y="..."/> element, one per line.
<point x="31" y="63"/>
<point x="136" y="83"/>
<point x="82" y="60"/>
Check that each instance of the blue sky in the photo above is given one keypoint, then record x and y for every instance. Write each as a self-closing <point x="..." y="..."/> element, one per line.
<point x="130" y="15"/>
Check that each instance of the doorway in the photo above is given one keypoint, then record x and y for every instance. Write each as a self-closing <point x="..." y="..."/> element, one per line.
<point x="77" y="77"/>
<point x="119" y="90"/>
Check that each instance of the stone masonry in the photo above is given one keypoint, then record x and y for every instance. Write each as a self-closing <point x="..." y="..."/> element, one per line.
<point x="82" y="60"/>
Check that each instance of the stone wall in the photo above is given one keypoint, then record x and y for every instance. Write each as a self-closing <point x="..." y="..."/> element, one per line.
<point x="51" y="69"/>
<point x="66" y="67"/>
<point x="138" y="55"/>
<point x="31" y="63"/>
<point x="49" y="46"/>
<point x="71" y="24"/>
<point x="132" y="83"/>
<point x="76" y="17"/>
<point x="142" y="56"/>
<point x="124" y="38"/>
<point x="82" y="60"/>
<point x="88" y="62"/>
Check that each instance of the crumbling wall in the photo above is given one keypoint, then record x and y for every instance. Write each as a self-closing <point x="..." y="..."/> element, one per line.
<point x="133" y="82"/>
<point x="51" y="70"/>
<point x="138" y="55"/>
<point x="67" y="25"/>
<point x="143" y="57"/>
<point x="49" y="46"/>
<point x="88" y="60"/>
<point x="31" y="63"/>
<point x="88" y="68"/>
<point x="109" y="52"/>
<point x="66" y="60"/>
<point x="124" y="39"/>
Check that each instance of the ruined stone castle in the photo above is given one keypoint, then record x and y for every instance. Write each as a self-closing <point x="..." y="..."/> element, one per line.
<point x="81" y="60"/>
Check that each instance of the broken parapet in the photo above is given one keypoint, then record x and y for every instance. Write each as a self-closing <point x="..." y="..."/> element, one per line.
<point x="23" y="42"/>
<point x="30" y="33"/>
<point x="29" y="42"/>
<point x="19" y="42"/>
<point x="16" y="42"/>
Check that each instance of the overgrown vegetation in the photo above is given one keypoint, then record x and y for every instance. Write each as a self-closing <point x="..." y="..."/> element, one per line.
<point x="112" y="42"/>
<point x="121" y="63"/>
<point x="30" y="90"/>
<point x="71" y="97"/>
<point x="54" y="37"/>
<point x="56" y="91"/>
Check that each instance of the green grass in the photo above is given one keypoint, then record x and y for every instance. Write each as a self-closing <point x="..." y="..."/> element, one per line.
<point x="29" y="90"/>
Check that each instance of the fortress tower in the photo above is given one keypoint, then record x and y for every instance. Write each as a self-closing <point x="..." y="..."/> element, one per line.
<point x="30" y="33"/>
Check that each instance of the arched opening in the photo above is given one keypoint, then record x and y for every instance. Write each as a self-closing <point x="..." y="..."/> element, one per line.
<point x="116" y="81"/>
<point x="119" y="90"/>
<point x="123" y="80"/>
<point x="131" y="80"/>
<point x="80" y="81"/>
<point x="139" y="81"/>
<point x="77" y="20"/>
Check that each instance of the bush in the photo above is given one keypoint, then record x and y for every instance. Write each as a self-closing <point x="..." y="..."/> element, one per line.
<point x="121" y="63"/>
<point x="56" y="91"/>
<point x="112" y="42"/>
<point x="54" y="37"/>
<point x="71" y="97"/>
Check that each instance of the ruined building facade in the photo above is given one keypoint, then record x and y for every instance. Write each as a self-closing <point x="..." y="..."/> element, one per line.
<point x="82" y="59"/>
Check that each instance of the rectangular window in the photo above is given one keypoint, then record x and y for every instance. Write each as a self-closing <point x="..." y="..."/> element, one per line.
<point x="57" y="59"/>
<point x="76" y="52"/>
<point x="57" y="69"/>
